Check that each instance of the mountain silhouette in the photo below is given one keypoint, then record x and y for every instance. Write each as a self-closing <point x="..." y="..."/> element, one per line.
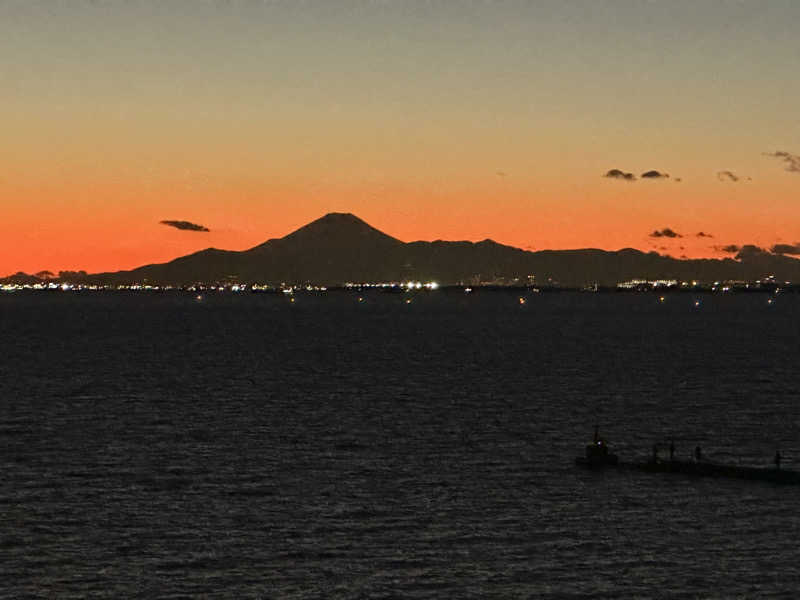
<point x="336" y="248"/>
<point x="340" y="248"/>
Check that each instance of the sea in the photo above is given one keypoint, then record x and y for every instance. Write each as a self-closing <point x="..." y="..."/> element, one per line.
<point x="358" y="444"/>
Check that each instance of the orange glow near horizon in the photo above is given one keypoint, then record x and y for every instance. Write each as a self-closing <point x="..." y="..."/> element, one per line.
<point x="115" y="225"/>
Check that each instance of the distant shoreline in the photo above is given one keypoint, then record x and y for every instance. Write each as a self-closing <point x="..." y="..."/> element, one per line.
<point x="772" y="289"/>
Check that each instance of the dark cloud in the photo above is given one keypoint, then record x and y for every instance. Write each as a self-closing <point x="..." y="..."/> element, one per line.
<point x="666" y="232"/>
<point x="750" y="251"/>
<point x="703" y="234"/>
<point x="620" y="174"/>
<point x="730" y="248"/>
<point x="501" y="173"/>
<point x="727" y="176"/>
<point x="785" y="249"/>
<point x="677" y="180"/>
<point x="185" y="225"/>
<point x="617" y="174"/>
<point x="792" y="161"/>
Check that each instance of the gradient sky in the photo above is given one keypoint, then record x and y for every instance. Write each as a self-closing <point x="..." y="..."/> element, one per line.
<point x="450" y="120"/>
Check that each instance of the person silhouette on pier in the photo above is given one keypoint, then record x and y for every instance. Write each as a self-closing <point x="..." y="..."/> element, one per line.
<point x="698" y="454"/>
<point x="777" y="459"/>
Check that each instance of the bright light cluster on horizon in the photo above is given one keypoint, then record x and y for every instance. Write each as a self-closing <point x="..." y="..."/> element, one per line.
<point x="416" y="285"/>
<point x="657" y="283"/>
<point x="407" y="285"/>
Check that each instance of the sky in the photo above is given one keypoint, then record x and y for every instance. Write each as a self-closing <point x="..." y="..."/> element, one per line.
<point x="455" y="120"/>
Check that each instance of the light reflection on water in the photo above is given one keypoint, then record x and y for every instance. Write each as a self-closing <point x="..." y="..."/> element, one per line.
<point x="245" y="446"/>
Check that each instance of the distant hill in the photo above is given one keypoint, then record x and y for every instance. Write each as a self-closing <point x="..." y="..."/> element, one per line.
<point x="340" y="248"/>
<point x="21" y="278"/>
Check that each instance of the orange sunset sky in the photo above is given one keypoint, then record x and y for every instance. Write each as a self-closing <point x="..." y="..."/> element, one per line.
<point x="429" y="120"/>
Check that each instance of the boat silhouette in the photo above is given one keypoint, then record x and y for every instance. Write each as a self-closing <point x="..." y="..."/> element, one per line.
<point x="598" y="455"/>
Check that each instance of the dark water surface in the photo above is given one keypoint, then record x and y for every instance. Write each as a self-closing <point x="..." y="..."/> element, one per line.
<point x="154" y="445"/>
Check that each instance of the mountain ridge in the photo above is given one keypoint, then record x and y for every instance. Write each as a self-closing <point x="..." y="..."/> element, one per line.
<point x="340" y="247"/>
